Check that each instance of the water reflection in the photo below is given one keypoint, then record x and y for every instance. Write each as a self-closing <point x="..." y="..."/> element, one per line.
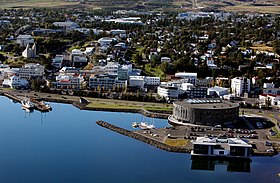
<point x="209" y="163"/>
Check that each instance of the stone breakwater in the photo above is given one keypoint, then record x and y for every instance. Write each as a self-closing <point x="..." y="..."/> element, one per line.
<point x="142" y="138"/>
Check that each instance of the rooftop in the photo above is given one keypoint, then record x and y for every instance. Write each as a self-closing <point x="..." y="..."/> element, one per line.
<point x="217" y="140"/>
<point x="207" y="103"/>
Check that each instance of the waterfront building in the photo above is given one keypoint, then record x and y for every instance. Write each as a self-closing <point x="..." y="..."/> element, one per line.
<point x="106" y="82"/>
<point x="240" y="85"/>
<point x="15" y="82"/>
<point x="24" y="40"/>
<point x="30" y="51"/>
<point x="225" y="147"/>
<point x="69" y="82"/>
<point x="31" y="70"/>
<point x="168" y="92"/>
<point x="204" y="112"/>
<point x="137" y="81"/>
<point x="142" y="81"/>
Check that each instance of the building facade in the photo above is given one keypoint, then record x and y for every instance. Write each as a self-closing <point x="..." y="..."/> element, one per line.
<point x="168" y="92"/>
<point x="226" y="147"/>
<point x="204" y="112"/>
<point x="240" y="85"/>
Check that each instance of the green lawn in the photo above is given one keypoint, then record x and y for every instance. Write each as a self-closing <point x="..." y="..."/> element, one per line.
<point x="176" y="142"/>
<point x="154" y="71"/>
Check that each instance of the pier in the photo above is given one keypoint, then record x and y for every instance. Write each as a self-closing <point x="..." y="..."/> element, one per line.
<point x="38" y="104"/>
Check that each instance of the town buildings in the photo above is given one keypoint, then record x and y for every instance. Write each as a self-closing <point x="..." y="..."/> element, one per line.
<point x="15" y="82"/>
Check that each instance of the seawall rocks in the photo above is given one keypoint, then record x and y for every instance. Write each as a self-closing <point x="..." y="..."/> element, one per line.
<point x="142" y="138"/>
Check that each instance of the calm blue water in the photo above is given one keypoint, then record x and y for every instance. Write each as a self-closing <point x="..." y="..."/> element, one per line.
<point x="66" y="145"/>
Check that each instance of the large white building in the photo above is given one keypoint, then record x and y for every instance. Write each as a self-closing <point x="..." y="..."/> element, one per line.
<point x="69" y="82"/>
<point x="24" y="40"/>
<point x="15" y="82"/>
<point x="142" y="81"/>
<point x="168" y="92"/>
<point x="240" y="85"/>
<point x="106" y="82"/>
<point x="137" y="81"/>
<point x="216" y="90"/>
<point x="31" y="70"/>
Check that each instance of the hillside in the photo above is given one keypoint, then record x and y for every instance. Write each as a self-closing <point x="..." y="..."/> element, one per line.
<point x="261" y="6"/>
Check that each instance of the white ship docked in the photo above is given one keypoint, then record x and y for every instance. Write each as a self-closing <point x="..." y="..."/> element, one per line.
<point x="27" y="104"/>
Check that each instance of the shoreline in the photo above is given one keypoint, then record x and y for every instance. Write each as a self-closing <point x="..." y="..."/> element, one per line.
<point x="133" y="134"/>
<point x="15" y="96"/>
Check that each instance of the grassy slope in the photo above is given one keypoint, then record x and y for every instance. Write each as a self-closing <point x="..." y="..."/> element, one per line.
<point x="34" y="3"/>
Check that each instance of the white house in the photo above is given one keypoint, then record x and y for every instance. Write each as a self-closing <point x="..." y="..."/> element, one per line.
<point x="24" y="40"/>
<point x="272" y="99"/>
<point x="240" y="85"/>
<point x="15" y="82"/>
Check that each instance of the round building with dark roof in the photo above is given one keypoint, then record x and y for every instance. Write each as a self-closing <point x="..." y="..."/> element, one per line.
<point x="204" y="112"/>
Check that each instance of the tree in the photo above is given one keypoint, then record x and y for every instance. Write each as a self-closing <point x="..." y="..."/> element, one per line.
<point x="137" y="58"/>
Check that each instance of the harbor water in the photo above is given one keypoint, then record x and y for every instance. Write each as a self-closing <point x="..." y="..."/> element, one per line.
<point x="66" y="145"/>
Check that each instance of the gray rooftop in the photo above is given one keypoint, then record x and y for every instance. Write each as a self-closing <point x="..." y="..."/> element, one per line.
<point x="207" y="103"/>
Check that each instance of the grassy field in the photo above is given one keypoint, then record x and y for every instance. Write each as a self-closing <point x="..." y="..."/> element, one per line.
<point x="154" y="71"/>
<point x="176" y="142"/>
<point x="253" y="9"/>
<point x="34" y="3"/>
<point x="117" y="104"/>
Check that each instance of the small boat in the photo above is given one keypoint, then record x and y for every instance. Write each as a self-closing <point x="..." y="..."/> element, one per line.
<point x="47" y="106"/>
<point x="145" y="126"/>
<point x="27" y="104"/>
<point x="27" y="110"/>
